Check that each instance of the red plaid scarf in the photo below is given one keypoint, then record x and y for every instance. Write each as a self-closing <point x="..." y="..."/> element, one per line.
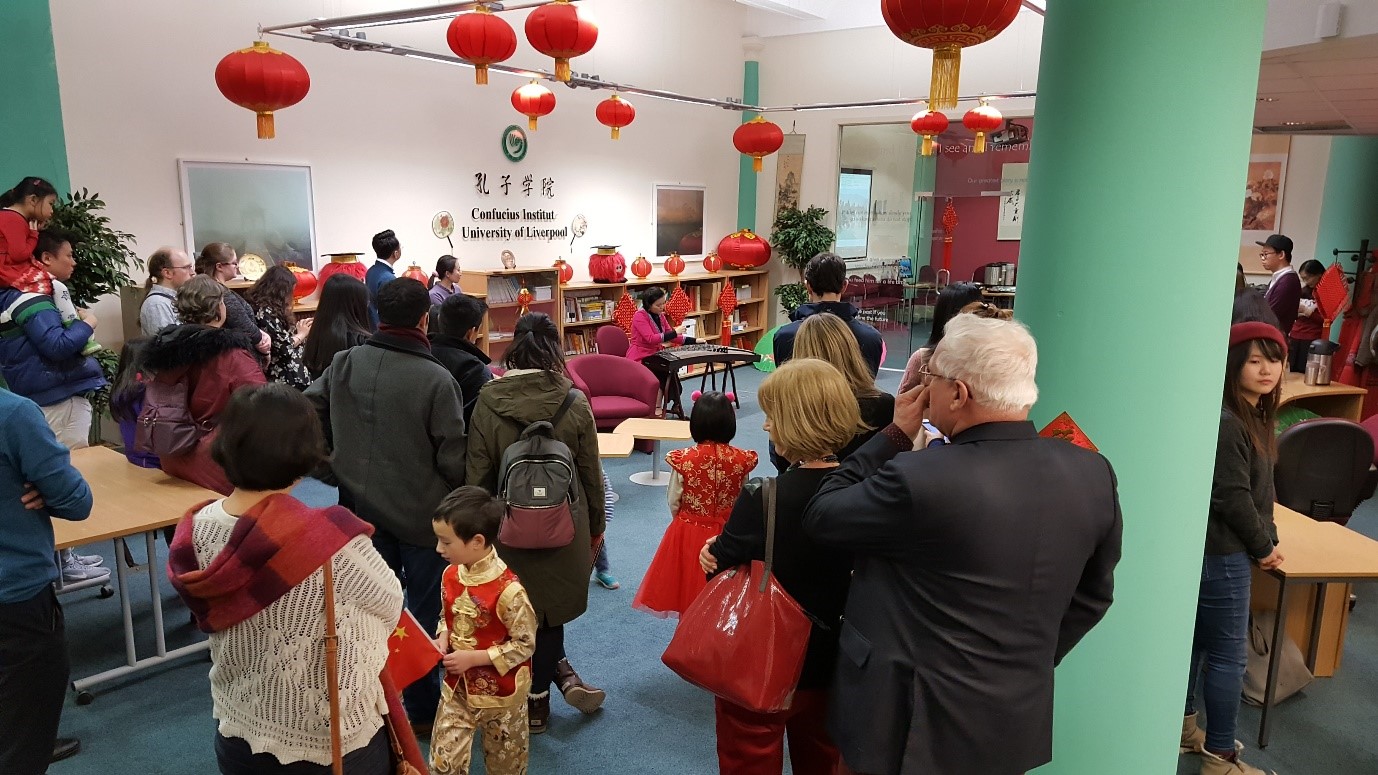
<point x="274" y="546"/>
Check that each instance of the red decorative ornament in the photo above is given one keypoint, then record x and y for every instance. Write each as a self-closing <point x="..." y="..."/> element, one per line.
<point x="565" y="270"/>
<point x="343" y="263"/>
<point x="607" y="265"/>
<point x="678" y="306"/>
<point x="758" y="138"/>
<point x="615" y="112"/>
<point x="727" y="302"/>
<point x="559" y="30"/>
<point x="418" y="274"/>
<point x="306" y="281"/>
<point x="623" y="313"/>
<point x="1065" y="428"/>
<point x="929" y="123"/>
<point x="982" y="119"/>
<point x="481" y="38"/>
<point x="524" y="297"/>
<point x="533" y="100"/>
<point x="641" y="267"/>
<point x="949" y="226"/>
<point x="744" y="250"/>
<point x="712" y="263"/>
<point x="947" y="28"/>
<point x="674" y="265"/>
<point x="262" y="79"/>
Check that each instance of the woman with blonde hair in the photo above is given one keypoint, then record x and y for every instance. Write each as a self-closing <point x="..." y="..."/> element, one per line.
<point x="811" y="413"/>
<point x="828" y="338"/>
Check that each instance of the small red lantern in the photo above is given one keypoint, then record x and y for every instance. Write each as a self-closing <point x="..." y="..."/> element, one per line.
<point x="930" y="124"/>
<point x="607" y="265"/>
<point x="678" y="307"/>
<point x="306" y="281"/>
<point x="533" y="100"/>
<point x="524" y="298"/>
<point x="982" y="119"/>
<point x="559" y="30"/>
<point x="263" y="80"/>
<point x="481" y="38"/>
<point x="711" y="263"/>
<point x="623" y="313"/>
<point x="566" y="270"/>
<point x="615" y="112"/>
<point x="758" y="138"/>
<point x="674" y="265"/>
<point x="418" y="274"/>
<point x="641" y="267"/>
<point x="947" y="27"/>
<point x="744" y="250"/>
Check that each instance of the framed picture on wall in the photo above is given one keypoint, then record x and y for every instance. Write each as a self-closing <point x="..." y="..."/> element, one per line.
<point x="679" y="220"/>
<point x="260" y="209"/>
<point x="853" y="212"/>
<point x="1264" y="190"/>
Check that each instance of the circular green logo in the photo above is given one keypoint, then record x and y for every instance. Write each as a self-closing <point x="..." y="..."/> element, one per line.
<point x="514" y="143"/>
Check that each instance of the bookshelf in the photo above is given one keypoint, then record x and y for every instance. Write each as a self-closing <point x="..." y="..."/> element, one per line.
<point x="499" y="288"/>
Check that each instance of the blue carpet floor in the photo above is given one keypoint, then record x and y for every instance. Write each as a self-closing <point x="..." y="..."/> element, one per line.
<point x="160" y="722"/>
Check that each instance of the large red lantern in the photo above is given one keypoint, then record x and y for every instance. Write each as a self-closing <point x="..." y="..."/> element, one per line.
<point x="947" y="27"/>
<point x="930" y="124"/>
<point x="533" y="100"/>
<point x="744" y="250"/>
<point x="758" y="138"/>
<point x="306" y="281"/>
<point x="982" y="119"/>
<point x="615" y="112"/>
<point x="566" y="271"/>
<point x="559" y="30"/>
<point x="481" y="38"/>
<point x="262" y="79"/>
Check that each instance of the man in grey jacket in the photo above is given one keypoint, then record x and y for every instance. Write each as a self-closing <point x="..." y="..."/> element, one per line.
<point x="394" y="419"/>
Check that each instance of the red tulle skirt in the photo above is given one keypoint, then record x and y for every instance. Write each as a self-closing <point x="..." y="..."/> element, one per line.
<point x="674" y="577"/>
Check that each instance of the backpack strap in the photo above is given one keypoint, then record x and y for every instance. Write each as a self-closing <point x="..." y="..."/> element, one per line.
<point x="564" y="407"/>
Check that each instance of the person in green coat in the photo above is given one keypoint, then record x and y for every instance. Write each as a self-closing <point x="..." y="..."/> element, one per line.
<point x="556" y="580"/>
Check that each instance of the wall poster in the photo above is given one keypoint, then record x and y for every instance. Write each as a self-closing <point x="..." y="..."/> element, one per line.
<point x="263" y="209"/>
<point x="789" y="173"/>
<point x="1264" y="189"/>
<point x="679" y="220"/>
<point x="1014" y="183"/>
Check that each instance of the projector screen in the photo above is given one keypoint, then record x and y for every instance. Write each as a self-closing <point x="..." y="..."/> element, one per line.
<point x="853" y="212"/>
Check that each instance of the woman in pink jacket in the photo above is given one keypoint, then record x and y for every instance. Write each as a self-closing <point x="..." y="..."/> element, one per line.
<point x="651" y="331"/>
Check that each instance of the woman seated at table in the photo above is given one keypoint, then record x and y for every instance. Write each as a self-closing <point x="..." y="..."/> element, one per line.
<point x="652" y="332"/>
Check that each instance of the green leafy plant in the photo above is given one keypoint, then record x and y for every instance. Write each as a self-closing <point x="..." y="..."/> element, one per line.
<point x="797" y="236"/>
<point x="791" y="295"/>
<point x="103" y="255"/>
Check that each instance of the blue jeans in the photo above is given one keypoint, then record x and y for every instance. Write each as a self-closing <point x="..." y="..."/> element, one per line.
<point x="1220" y="645"/>
<point x="419" y="568"/>
<point x="600" y="563"/>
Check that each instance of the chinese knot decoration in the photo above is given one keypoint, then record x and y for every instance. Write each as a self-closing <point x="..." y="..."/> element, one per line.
<point x="758" y="138"/>
<point x="744" y="250"/>
<point x="558" y="30"/>
<point x="481" y="38"/>
<point x="949" y="226"/>
<point x="262" y="79"/>
<point x="981" y="120"/>
<point x="727" y="302"/>
<point x="533" y="100"/>
<point x="623" y="313"/>
<point x="524" y="298"/>
<point x="947" y="28"/>
<point x="930" y="124"/>
<point x="679" y="306"/>
<point x="615" y="112"/>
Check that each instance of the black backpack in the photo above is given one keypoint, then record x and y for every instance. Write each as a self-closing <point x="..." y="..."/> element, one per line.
<point x="537" y="481"/>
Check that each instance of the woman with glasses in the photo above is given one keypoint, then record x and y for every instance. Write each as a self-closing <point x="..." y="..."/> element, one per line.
<point x="219" y="262"/>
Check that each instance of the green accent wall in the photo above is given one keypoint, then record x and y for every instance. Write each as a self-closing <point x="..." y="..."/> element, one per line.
<point x="1132" y="352"/>
<point x="33" y="141"/>
<point x="1349" y="209"/>
<point x="746" y="177"/>
<point x="921" y="210"/>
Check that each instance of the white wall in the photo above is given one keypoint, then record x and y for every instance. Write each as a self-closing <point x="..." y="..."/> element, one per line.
<point x="1307" y="162"/>
<point x="888" y="151"/>
<point x="393" y="140"/>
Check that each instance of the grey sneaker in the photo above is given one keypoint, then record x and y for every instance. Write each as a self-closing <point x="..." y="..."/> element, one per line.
<point x="94" y="560"/>
<point x="74" y="571"/>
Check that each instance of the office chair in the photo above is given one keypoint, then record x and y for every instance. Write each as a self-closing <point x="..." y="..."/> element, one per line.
<point x="1322" y="469"/>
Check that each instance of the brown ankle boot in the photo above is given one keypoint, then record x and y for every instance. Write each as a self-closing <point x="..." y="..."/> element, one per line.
<point x="577" y="693"/>
<point x="538" y="712"/>
<point x="1211" y="764"/>
<point x="1193" y="737"/>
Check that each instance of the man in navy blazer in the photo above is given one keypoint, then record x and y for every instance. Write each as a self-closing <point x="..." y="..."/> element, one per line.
<point x="979" y="564"/>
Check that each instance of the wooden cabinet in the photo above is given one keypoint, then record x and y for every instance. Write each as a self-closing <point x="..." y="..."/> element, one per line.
<point x="499" y="287"/>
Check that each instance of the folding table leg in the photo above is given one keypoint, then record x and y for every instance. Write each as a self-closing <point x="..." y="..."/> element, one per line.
<point x="1270" y="686"/>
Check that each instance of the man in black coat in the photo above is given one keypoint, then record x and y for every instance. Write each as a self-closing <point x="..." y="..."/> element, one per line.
<point x="459" y="318"/>
<point x="825" y="277"/>
<point x="979" y="564"/>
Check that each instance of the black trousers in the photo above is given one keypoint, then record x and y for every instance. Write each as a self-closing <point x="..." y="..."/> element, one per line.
<point x="550" y="649"/>
<point x="234" y="757"/>
<point x="34" y="672"/>
<point x="668" y="382"/>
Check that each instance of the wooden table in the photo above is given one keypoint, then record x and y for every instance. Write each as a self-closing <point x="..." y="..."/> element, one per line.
<point x="1333" y="400"/>
<point x="129" y="500"/>
<point x="657" y="431"/>
<point x="1318" y="556"/>
<point x="615" y="445"/>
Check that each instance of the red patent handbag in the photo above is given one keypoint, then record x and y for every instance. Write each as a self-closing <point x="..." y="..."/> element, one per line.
<point x="743" y="638"/>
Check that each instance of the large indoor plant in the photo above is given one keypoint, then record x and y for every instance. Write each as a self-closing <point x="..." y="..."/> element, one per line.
<point x="797" y="236"/>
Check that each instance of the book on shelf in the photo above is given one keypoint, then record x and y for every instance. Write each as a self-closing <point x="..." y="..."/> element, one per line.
<point x="743" y="293"/>
<point x="576" y="344"/>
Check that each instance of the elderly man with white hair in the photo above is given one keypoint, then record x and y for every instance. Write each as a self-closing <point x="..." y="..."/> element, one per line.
<point x="979" y="564"/>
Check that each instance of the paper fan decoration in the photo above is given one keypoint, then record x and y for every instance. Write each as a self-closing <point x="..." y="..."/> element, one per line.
<point x="624" y="311"/>
<point x="1065" y="428"/>
<point x="1332" y="294"/>
<point x="678" y="306"/>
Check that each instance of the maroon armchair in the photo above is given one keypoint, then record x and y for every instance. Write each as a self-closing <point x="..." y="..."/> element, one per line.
<point x="612" y="340"/>
<point x="617" y="389"/>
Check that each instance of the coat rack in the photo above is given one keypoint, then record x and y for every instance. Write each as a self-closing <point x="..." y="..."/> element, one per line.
<point x="1362" y="256"/>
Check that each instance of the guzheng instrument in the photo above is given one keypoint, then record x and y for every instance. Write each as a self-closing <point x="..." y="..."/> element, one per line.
<point x="695" y="354"/>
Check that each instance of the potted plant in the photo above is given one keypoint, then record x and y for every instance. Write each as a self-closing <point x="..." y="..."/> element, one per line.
<point x="797" y="236"/>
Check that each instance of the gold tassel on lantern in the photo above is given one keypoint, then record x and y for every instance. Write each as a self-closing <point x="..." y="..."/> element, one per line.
<point x="531" y="122"/>
<point x="756" y="163"/>
<point x="947" y="66"/>
<point x="562" y="71"/>
<point x="980" y="145"/>
<point x="265" y="125"/>
<point x="928" y="145"/>
<point x="480" y="75"/>
<point x="616" y="133"/>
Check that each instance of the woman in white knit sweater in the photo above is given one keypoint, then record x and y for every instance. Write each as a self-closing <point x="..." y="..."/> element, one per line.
<point x="250" y="568"/>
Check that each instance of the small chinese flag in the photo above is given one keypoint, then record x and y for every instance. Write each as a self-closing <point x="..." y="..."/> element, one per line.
<point x="411" y="652"/>
<point x="1065" y="428"/>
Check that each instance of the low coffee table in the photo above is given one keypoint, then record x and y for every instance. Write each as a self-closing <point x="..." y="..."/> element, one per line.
<point x="657" y="431"/>
<point x="615" y="445"/>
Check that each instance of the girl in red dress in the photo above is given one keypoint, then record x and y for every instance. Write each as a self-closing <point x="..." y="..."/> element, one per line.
<point x="704" y="483"/>
<point x="24" y="210"/>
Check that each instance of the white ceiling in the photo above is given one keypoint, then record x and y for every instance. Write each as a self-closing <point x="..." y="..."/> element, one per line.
<point x="1333" y="82"/>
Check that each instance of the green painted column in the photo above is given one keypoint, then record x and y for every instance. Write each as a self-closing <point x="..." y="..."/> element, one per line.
<point x="33" y="140"/>
<point x="746" y="176"/>
<point x="921" y="210"/>
<point x="1349" y="210"/>
<point x="1132" y="326"/>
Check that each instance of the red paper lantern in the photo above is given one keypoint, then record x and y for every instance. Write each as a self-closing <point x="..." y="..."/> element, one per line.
<point x="262" y="79"/>
<point x="566" y="270"/>
<point x="641" y="267"/>
<point x="674" y="265"/>
<point x="982" y="119"/>
<point x="559" y="30"/>
<point x="623" y="313"/>
<point x="418" y="274"/>
<point x="947" y="27"/>
<point x="481" y="38"/>
<point x="744" y="250"/>
<point x="758" y="138"/>
<point x="524" y="297"/>
<point x="712" y="263"/>
<point x="615" y="112"/>
<point x="533" y="100"/>
<point x="678" y="307"/>
<point x="930" y="124"/>
<point x="306" y="281"/>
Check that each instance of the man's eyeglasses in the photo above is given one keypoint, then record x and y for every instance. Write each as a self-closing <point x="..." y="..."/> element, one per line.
<point x="927" y="375"/>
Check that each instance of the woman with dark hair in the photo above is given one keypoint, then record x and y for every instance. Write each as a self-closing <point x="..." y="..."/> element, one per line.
<point x="445" y="281"/>
<point x="271" y="299"/>
<point x="1239" y="529"/>
<point x="1308" y="327"/>
<point x="219" y="262"/>
<point x="532" y="390"/>
<point x="24" y="210"/>
<point x="341" y="322"/>
<point x="950" y="302"/>
<point x="263" y="599"/>
<point x="651" y="332"/>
